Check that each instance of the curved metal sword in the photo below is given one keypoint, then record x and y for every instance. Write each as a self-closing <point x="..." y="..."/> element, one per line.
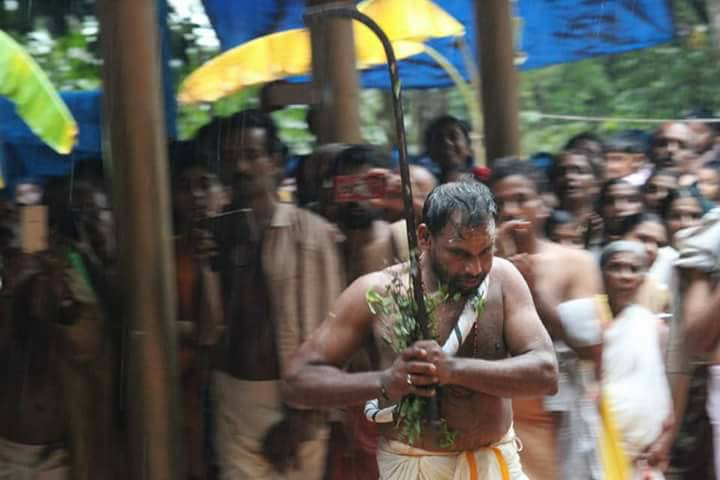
<point x="319" y="13"/>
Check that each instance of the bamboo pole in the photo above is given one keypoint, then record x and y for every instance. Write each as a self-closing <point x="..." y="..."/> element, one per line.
<point x="135" y="147"/>
<point x="499" y="79"/>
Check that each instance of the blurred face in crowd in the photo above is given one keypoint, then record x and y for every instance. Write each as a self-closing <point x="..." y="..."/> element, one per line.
<point x="623" y="273"/>
<point x="621" y="200"/>
<point x="574" y="178"/>
<point x="619" y="164"/>
<point x="672" y="145"/>
<point x="460" y="257"/>
<point x="652" y="235"/>
<point x="96" y="220"/>
<point x="247" y="165"/>
<point x="567" y="234"/>
<point x="703" y="136"/>
<point x="657" y="189"/>
<point x="685" y="212"/>
<point x="709" y="183"/>
<point x="358" y="215"/>
<point x="450" y="147"/>
<point x="197" y="193"/>
<point x="313" y="169"/>
<point x="517" y="198"/>
<point x="422" y="182"/>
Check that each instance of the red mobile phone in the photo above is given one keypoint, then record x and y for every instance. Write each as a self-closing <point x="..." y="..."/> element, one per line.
<point x="358" y="188"/>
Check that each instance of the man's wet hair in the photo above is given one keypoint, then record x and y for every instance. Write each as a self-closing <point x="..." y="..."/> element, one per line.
<point x="471" y="200"/>
<point x="438" y="124"/>
<point x="629" y="141"/>
<point x="505" y="167"/>
<point x="218" y="127"/>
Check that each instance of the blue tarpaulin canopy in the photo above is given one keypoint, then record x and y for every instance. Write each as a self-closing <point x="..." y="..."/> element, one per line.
<point x="550" y="32"/>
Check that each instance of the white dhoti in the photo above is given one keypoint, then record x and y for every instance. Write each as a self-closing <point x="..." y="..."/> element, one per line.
<point x="399" y="461"/>
<point x="635" y="384"/>
<point x="32" y="462"/>
<point x="245" y="412"/>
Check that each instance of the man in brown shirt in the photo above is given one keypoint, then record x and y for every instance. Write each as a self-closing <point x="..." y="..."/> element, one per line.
<point x="280" y="273"/>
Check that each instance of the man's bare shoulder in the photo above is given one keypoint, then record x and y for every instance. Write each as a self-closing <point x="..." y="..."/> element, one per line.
<point x="505" y="273"/>
<point x="568" y="272"/>
<point x="380" y="279"/>
<point x="575" y="257"/>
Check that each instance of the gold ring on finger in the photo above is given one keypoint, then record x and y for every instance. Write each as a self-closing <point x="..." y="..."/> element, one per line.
<point x="409" y="379"/>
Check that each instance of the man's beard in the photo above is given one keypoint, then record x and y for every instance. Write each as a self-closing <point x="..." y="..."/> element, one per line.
<point x="465" y="285"/>
<point x="352" y="216"/>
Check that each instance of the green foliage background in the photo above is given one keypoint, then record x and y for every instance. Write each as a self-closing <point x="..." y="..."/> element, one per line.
<point x="662" y="82"/>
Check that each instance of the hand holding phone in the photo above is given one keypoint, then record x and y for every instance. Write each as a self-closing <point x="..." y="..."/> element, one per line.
<point x="360" y="188"/>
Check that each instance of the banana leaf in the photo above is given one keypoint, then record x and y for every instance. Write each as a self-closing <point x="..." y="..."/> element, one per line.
<point x="25" y="84"/>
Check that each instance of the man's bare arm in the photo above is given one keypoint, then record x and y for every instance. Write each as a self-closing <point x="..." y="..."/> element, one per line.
<point x="583" y="282"/>
<point x="532" y="370"/>
<point x="315" y="378"/>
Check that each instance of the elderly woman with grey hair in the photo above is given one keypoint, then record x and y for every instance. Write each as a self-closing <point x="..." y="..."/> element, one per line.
<point x="633" y="373"/>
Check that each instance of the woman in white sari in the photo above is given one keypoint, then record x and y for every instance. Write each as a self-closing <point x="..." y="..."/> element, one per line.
<point x="634" y="378"/>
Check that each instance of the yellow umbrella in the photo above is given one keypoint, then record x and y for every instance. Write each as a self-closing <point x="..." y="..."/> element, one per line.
<point x="269" y="58"/>
<point x="401" y="20"/>
<point x="412" y="20"/>
<point x="260" y="60"/>
<point x="288" y="53"/>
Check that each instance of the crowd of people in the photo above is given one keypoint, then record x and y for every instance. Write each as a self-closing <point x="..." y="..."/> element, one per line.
<point x="594" y="350"/>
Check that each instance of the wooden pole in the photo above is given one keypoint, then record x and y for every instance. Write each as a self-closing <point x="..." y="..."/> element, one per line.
<point x="499" y="78"/>
<point x="135" y="146"/>
<point x="335" y="78"/>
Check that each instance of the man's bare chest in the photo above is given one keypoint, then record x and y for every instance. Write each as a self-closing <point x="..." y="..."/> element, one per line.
<point x="486" y="339"/>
